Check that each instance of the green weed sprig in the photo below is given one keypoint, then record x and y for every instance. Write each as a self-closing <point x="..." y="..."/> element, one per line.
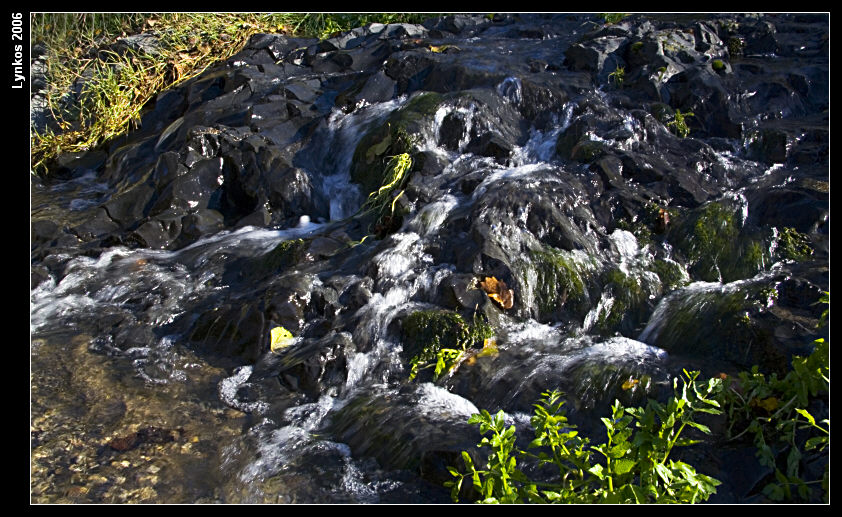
<point x="679" y="124"/>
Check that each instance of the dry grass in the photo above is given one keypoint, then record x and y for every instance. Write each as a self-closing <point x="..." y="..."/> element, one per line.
<point x="117" y="86"/>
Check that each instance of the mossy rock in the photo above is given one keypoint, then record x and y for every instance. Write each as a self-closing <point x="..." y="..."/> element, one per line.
<point x="284" y="255"/>
<point x="718" y="248"/>
<point x="587" y="151"/>
<point x="792" y="245"/>
<point x="719" y="321"/>
<point x="575" y="143"/>
<point x="663" y="113"/>
<point x="649" y="222"/>
<point x="596" y="384"/>
<point x="560" y="282"/>
<point x="671" y="274"/>
<point x="396" y="135"/>
<point x="426" y="333"/>
<point x="628" y="308"/>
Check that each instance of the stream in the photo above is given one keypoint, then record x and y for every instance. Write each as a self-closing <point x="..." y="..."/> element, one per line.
<point x="162" y="261"/>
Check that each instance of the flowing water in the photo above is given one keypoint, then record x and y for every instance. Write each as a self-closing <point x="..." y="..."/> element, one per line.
<point x="113" y="355"/>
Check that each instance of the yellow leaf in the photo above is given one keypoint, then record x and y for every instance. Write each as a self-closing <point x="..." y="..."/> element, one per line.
<point x="770" y="404"/>
<point x="281" y="338"/>
<point x="442" y="48"/>
<point x="489" y="347"/>
<point x="631" y="383"/>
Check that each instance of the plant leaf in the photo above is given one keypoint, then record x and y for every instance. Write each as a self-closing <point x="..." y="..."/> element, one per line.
<point x="805" y="414"/>
<point x="622" y="466"/>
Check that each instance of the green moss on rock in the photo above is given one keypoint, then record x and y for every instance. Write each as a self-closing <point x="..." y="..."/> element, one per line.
<point x="717" y="247"/>
<point x="394" y="137"/>
<point x="284" y="255"/>
<point x="671" y="274"/>
<point x="792" y="245"/>
<point x="559" y="281"/>
<point x="435" y="335"/>
<point x="721" y="321"/>
<point x="626" y="294"/>
<point x="587" y="151"/>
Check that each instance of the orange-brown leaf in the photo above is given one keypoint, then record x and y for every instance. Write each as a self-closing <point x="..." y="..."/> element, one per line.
<point x="498" y="291"/>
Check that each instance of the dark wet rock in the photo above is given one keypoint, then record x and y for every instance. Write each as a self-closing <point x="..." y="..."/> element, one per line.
<point x="200" y="223"/>
<point x="802" y="209"/>
<point x="98" y="226"/>
<point x="455" y="24"/>
<point x="490" y="144"/>
<point x="452" y="131"/>
<point x="315" y="365"/>
<point x="392" y="429"/>
<point x="160" y="232"/>
<point x="599" y="56"/>
<point x="231" y="333"/>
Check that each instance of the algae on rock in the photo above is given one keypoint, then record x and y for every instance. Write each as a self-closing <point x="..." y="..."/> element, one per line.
<point x="554" y="281"/>
<point x="437" y="338"/>
<point x="718" y="247"/>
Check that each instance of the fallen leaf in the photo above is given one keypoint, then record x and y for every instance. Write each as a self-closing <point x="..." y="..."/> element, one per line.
<point x="489" y="347"/>
<point x="631" y="383"/>
<point x="769" y="404"/>
<point x="442" y="48"/>
<point x="498" y="291"/>
<point x="280" y="339"/>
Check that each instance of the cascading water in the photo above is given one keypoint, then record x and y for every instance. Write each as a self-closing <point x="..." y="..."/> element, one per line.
<point x="630" y="254"/>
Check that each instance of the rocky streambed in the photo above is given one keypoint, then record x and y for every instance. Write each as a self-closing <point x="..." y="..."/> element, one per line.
<point x="647" y="196"/>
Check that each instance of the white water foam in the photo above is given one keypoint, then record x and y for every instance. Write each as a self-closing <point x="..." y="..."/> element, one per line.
<point x="228" y="391"/>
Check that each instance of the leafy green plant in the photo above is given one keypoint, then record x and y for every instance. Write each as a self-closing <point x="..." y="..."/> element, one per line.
<point x="633" y="465"/>
<point x="679" y="124"/>
<point x="773" y="412"/>
<point x="825" y="299"/>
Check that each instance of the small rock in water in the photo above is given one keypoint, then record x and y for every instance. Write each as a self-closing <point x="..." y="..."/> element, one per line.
<point x="149" y="434"/>
<point x="304" y="221"/>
